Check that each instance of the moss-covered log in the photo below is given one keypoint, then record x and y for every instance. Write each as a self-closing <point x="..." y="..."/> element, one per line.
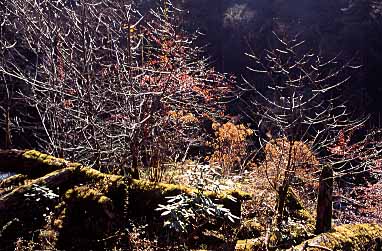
<point x="144" y="196"/>
<point x="12" y="182"/>
<point x="15" y="180"/>
<point x="78" y="198"/>
<point x="23" y="209"/>
<point x="15" y="199"/>
<point x="352" y="237"/>
<point x="86" y="218"/>
<point x="30" y="162"/>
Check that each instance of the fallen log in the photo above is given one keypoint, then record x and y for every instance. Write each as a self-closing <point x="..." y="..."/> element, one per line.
<point x="11" y="183"/>
<point x="31" y="162"/>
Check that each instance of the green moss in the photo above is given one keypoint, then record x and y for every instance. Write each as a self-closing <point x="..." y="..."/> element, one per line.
<point x="36" y="164"/>
<point x="304" y="214"/>
<point x="240" y="195"/>
<point x="15" y="180"/>
<point x="90" y="173"/>
<point x="167" y="189"/>
<point x="85" y="216"/>
<point x="48" y="159"/>
<point x="249" y="245"/>
<point x="250" y="229"/>
<point x="86" y="193"/>
<point x="146" y="195"/>
<point x="145" y="185"/>
<point x="296" y="208"/>
<point x="69" y="194"/>
<point x="352" y="237"/>
<point x="103" y="200"/>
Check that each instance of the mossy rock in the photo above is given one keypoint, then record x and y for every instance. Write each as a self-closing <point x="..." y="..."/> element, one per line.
<point x="351" y="237"/>
<point x="256" y="244"/>
<point x="250" y="229"/>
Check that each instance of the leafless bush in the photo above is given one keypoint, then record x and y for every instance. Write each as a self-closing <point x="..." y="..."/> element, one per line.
<point x="304" y="117"/>
<point x="107" y="80"/>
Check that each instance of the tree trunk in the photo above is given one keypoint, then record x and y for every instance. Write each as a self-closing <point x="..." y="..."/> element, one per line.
<point x="325" y="201"/>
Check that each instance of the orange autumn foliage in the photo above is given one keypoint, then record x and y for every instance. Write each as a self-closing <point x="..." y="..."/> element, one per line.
<point x="230" y="145"/>
<point x="280" y="152"/>
<point x="181" y="116"/>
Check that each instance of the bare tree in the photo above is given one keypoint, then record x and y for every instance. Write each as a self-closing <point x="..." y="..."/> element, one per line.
<point x="304" y="116"/>
<point x="113" y="87"/>
<point x="5" y="90"/>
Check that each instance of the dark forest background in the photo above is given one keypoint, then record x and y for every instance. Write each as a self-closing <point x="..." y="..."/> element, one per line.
<point x="346" y="29"/>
